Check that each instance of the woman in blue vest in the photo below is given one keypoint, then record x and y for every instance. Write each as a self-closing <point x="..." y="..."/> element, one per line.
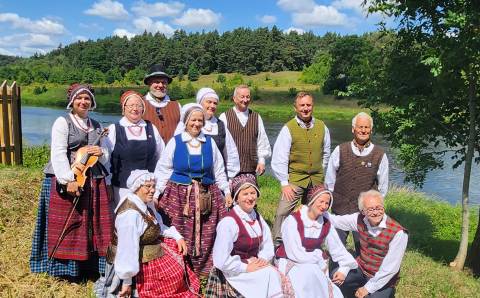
<point x="133" y="144"/>
<point x="305" y="233"/>
<point x="190" y="181"/>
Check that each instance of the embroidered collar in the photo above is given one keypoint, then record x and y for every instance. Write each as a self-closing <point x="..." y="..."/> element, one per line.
<point x="303" y="124"/>
<point x="126" y="123"/>
<point x="211" y="126"/>
<point x="244" y="215"/>
<point x="186" y="137"/>
<point x="309" y="223"/>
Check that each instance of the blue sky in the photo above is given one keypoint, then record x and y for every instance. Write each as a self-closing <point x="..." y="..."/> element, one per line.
<point x="27" y="27"/>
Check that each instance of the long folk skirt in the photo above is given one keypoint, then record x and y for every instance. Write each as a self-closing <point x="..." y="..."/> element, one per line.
<point x="199" y="231"/>
<point x="74" y="261"/>
<point x="167" y="276"/>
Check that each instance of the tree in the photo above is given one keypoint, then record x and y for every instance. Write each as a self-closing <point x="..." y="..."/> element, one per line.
<point x="317" y="73"/>
<point x="430" y="82"/>
<point x="193" y="73"/>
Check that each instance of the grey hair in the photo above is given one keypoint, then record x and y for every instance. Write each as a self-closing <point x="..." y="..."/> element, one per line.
<point x="370" y="193"/>
<point x="238" y="88"/>
<point x="362" y="114"/>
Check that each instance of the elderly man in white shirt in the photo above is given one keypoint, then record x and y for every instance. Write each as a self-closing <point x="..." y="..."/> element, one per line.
<point x="248" y="132"/>
<point x="383" y="242"/>
<point x="299" y="158"/>
<point x="354" y="167"/>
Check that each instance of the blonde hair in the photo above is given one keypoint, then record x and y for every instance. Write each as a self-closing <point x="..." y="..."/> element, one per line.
<point x="302" y="94"/>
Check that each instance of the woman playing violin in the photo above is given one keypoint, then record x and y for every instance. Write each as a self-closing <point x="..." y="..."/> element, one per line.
<point x="74" y="223"/>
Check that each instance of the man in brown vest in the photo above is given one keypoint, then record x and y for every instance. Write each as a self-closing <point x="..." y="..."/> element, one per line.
<point x="163" y="112"/>
<point x="354" y="167"/>
<point x="299" y="158"/>
<point x="382" y="245"/>
<point x="248" y="132"/>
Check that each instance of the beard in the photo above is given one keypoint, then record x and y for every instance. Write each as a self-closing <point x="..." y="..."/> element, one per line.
<point x="158" y="94"/>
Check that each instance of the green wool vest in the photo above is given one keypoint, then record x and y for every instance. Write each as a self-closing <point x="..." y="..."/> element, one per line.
<point x="306" y="154"/>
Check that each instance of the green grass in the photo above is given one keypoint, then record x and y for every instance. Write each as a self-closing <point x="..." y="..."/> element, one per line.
<point x="274" y="100"/>
<point x="433" y="239"/>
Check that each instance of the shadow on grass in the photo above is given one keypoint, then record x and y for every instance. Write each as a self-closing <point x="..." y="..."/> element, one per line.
<point x="421" y="231"/>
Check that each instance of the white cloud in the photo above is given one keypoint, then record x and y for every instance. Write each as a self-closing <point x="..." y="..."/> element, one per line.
<point x="108" y="9"/>
<point x="26" y="44"/>
<point x="296" y="5"/>
<point x="298" y="30"/>
<point x="80" y="38"/>
<point x="123" y="33"/>
<point x="91" y="26"/>
<point x="355" y="5"/>
<point x="7" y="52"/>
<point x="146" y="24"/>
<point x="158" y="9"/>
<point x="320" y="16"/>
<point x="198" y="18"/>
<point x="266" y="19"/>
<point x="43" y="25"/>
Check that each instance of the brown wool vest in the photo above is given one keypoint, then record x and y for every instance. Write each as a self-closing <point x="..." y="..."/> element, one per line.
<point x="245" y="139"/>
<point x="374" y="249"/>
<point x="165" y="119"/>
<point x="150" y="240"/>
<point x="354" y="175"/>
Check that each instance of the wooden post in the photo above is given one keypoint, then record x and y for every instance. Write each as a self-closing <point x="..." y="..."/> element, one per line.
<point x="10" y="124"/>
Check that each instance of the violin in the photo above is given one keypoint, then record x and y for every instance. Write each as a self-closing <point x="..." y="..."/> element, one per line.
<point x="88" y="160"/>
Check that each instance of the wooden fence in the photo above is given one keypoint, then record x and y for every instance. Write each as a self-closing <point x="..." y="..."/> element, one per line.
<point x="10" y="124"/>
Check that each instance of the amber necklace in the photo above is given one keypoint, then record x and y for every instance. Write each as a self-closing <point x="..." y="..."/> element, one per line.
<point x="80" y="125"/>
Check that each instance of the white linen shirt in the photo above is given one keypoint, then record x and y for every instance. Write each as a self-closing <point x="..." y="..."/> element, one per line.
<point x="58" y="149"/>
<point x="164" y="167"/>
<point x="263" y="145"/>
<point x="130" y="226"/>
<point x="392" y="261"/>
<point x="111" y="139"/>
<point x="159" y="104"/>
<point x="227" y="234"/>
<point x="334" y="164"/>
<point x="312" y="229"/>
<point x="281" y="151"/>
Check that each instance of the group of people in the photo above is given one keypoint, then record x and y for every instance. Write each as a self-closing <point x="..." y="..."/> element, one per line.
<point x="169" y="197"/>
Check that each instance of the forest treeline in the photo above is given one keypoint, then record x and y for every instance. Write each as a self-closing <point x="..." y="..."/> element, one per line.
<point x="331" y="60"/>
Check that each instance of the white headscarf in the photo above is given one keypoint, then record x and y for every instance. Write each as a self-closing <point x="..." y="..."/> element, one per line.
<point x="206" y="93"/>
<point x="137" y="178"/>
<point x="188" y="109"/>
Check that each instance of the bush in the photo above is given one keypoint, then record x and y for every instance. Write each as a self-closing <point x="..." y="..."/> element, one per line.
<point x="276" y="83"/>
<point x="188" y="91"/>
<point x="193" y="73"/>
<point x="36" y="156"/>
<point x="224" y="92"/>
<point x="292" y="91"/>
<point x="221" y="79"/>
<point x="237" y="79"/>
<point x="175" y="91"/>
<point x="39" y="90"/>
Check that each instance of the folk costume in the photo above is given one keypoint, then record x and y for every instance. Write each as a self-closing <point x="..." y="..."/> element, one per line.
<point x="163" y="113"/>
<point x="302" y="257"/>
<point x="241" y="236"/>
<point x="190" y="178"/>
<point x="381" y="252"/>
<point x="217" y="130"/>
<point x="73" y="248"/>
<point x="131" y="146"/>
<point x="139" y="231"/>
<point x="249" y="134"/>
<point x="299" y="158"/>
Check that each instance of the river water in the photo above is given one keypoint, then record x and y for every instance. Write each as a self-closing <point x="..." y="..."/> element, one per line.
<point x="443" y="184"/>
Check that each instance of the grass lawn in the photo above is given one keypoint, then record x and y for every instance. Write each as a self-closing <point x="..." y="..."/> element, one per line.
<point x="433" y="230"/>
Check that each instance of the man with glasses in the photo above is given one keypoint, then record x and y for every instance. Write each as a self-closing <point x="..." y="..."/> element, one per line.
<point x="248" y="132"/>
<point x="356" y="166"/>
<point x="382" y="245"/>
<point x="163" y="112"/>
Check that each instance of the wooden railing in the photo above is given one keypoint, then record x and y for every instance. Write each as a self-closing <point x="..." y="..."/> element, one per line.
<point x="10" y="124"/>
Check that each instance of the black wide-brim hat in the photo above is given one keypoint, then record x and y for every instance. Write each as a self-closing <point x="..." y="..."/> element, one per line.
<point x="157" y="70"/>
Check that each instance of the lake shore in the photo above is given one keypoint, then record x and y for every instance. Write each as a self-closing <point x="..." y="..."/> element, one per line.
<point x="434" y="229"/>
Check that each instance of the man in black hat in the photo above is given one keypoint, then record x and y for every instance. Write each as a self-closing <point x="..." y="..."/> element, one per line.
<point x="159" y="109"/>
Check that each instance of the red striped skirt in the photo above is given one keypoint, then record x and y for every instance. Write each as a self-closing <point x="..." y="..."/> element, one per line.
<point x="165" y="276"/>
<point x="89" y="229"/>
<point x="172" y="205"/>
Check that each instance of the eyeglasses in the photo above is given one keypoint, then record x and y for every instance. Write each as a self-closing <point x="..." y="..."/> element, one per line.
<point x="374" y="210"/>
<point x="132" y="106"/>
<point x="149" y="186"/>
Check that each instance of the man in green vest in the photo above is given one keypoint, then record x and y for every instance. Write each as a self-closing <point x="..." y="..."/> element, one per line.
<point x="299" y="158"/>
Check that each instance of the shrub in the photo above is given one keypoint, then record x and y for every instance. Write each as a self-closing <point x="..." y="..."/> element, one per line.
<point x="36" y="156"/>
